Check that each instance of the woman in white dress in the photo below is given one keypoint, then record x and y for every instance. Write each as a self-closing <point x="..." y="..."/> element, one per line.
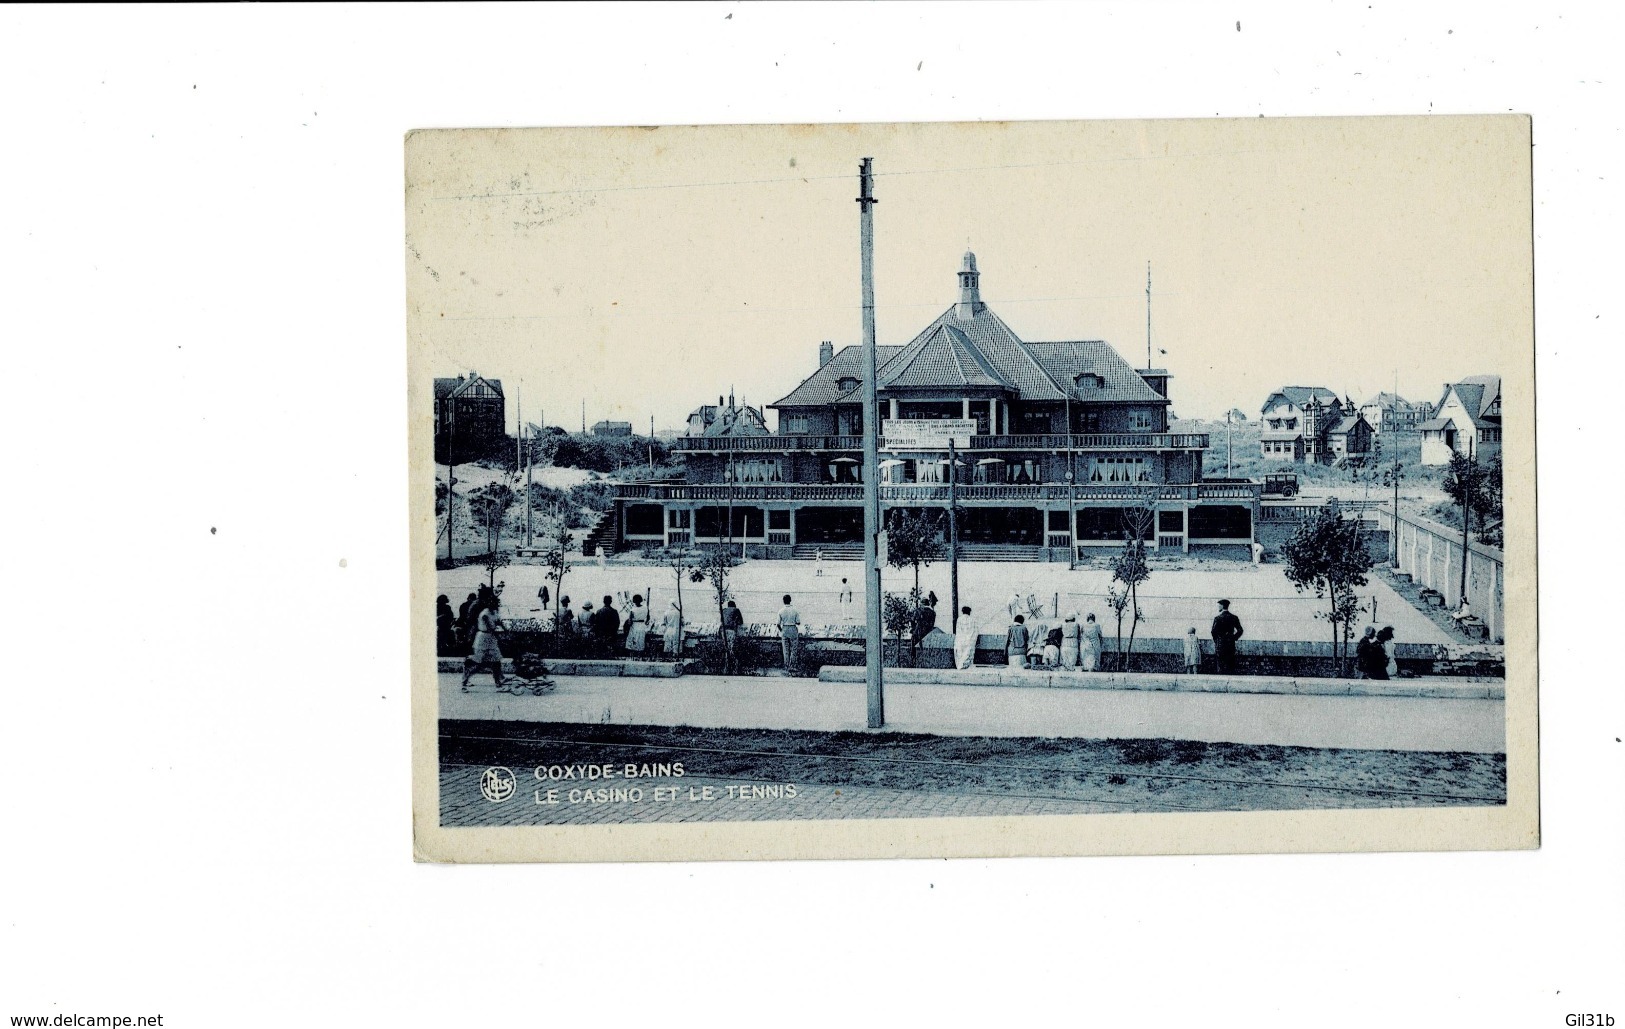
<point x="637" y="626"/>
<point x="1071" y="634"/>
<point x="486" y="654"/>
<point x="1090" y="643"/>
<point x="965" y="641"/>
<point x="672" y="627"/>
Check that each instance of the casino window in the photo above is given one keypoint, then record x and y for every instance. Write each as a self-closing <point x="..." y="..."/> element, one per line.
<point x="794" y="424"/>
<point x="1118" y="469"/>
<point x="1221" y="523"/>
<point x="759" y="470"/>
<point x="1022" y="473"/>
<point x="1033" y="422"/>
<point x="846" y="384"/>
<point x="643" y="519"/>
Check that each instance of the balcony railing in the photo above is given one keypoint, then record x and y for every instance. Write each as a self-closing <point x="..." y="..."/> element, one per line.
<point x="764" y="444"/>
<point x="934" y="493"/>
<point x="1030" y="441"/>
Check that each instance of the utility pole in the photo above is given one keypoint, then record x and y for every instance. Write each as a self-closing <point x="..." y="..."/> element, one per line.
<point x="583" y="417"/>
<point x="651" y="443"/>
<point x="871" y="458"/>
<point x="1468" y="487"/>
<point x="1227" y="439"/>
<point x="529" y="542"/>
<point x="1393" y="475"/>
<point x="451" y="474"/>
<point x="953" y="535"/>
<point x="1071" y="495"/>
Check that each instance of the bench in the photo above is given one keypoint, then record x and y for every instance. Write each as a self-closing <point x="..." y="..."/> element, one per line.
<point x="1433" y="598"/>
<point x="1474" y="627"/>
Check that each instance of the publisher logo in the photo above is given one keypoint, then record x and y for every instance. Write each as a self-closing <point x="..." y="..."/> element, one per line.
<point x="498" y="784"/>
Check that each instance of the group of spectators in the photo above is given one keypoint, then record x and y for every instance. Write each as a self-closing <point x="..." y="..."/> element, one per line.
<point x="1374" y="654"/>
<point x="605" y="631"/>
<point x="1074" y="645"/>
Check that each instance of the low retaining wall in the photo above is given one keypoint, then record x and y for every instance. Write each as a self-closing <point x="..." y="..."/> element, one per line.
<point x="1179" y="683"/>
<point x="565" y="666"/>
<point x="1253" y="657"/>
<point x="843" y="646"/>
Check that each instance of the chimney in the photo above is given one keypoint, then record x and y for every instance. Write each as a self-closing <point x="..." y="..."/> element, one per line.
<point x="826" y="353"/>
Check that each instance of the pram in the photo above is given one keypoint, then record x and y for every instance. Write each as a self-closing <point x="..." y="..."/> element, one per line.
<point x="530" y="673"/>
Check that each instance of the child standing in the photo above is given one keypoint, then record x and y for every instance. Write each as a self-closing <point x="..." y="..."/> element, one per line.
<point x="1193" y="652"/>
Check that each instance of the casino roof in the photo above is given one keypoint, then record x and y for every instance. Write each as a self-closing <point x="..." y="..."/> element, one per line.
<point x="968" y="346"/>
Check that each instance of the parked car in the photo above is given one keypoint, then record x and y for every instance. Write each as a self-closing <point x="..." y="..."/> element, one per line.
<point x="1280" y="484"/>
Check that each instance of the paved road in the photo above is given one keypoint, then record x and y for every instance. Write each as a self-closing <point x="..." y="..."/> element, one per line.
<point x="775" y="702"/>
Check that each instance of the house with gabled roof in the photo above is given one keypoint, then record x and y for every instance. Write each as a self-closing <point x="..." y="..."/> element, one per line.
<point x="1390" y="412"/>
<point x="1050" y="441"/>
<point x="470" y="410"/>
<point x="1350" y="439"/>
<point x="1296" y="421"/>
<point x="726" y="419"/>
<point x="1467" y="421"/>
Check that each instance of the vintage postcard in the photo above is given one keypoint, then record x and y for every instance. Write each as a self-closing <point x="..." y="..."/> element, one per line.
<point x="935" y="490"/>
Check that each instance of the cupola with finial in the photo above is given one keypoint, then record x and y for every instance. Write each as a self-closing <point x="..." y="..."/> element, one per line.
<point x="970" y="292"/>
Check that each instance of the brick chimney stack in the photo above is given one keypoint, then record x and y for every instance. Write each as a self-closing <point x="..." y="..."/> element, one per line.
<point x="826" y="353"/>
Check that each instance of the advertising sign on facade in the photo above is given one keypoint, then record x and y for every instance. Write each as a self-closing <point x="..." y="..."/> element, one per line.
<point x="927" y="433"/>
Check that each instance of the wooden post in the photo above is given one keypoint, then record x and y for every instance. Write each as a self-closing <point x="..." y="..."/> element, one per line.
<point x="871" y="458"/>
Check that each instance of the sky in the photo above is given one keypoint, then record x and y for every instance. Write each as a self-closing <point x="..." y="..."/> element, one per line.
<point x="644" y="272"/>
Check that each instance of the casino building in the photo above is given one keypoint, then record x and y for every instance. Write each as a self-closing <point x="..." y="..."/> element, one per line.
<point x="1053" y="440"/>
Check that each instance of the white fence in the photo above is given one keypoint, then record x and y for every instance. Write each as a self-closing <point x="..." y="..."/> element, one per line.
<point x="1432" y="554"/>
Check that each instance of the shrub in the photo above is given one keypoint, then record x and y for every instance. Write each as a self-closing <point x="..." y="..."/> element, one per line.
<point x="749" y="653"/>
<point x="596" y="495"/>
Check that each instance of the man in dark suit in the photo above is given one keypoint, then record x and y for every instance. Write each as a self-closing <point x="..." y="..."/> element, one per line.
<point x="1226" y="631"/>
<point x="606" y="627"/>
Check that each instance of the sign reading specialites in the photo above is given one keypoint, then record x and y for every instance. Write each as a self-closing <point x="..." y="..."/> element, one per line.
<point x="927" y="433"/>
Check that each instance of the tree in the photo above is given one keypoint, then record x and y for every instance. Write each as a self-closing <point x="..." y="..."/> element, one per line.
<point x="897" y="614"/>
<point x="557" y="560"/>
<point x="1489" y="511"/>
<point x="684" y="563"/>
<point x="912" y="541"/>
<point x="1118" y="601"/>
<point x="1470" y="485"/>
<point x="489" y="504"/>
<point x="1130" y="567"/>
<point x="1328" y="555"/>
<point x="715" y="563"/>
<point x="493" y="562"/>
